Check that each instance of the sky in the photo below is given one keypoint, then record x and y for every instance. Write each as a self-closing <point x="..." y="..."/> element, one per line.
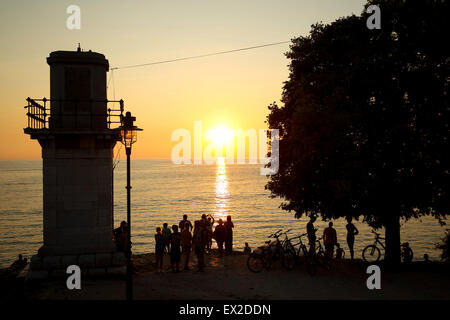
<point x="231" y="90"/>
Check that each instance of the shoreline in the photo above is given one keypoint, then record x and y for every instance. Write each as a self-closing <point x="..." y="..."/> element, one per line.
<point x="228" y="277"/>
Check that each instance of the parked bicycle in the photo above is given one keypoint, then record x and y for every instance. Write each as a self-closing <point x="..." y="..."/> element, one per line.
<point x="319" y="258"/>
<point x="264" y="256"/>
<point x="372" y="253"/>
<point x="299" y="249"/>
<point x="310" y="259"/>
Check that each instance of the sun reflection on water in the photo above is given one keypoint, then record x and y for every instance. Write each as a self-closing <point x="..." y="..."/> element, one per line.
<point x="221" y="209"/>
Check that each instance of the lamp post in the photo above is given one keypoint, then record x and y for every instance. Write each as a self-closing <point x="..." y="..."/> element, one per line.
<point x="129" y="136"/>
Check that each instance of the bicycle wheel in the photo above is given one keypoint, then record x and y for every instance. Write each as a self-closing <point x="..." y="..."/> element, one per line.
<point x="288" y="260"/>
<point x="302" y="255"/>
<point x="255" y="263"/>
<point x="371" y="253"/>
<point x="287" y="246"/>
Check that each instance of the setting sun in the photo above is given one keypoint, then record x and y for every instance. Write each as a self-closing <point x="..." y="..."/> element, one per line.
<point x="220" y="136"/>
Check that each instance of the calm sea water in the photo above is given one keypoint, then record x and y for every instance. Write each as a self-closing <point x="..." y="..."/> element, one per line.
<point x="163" y="192"/>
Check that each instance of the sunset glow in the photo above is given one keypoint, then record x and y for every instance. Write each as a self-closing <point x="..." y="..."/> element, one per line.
<point x="220" y="136"/>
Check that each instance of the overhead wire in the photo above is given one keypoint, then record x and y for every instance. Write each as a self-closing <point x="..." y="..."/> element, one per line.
<point x="111" y="78"/>
<point x="199" y="56"/>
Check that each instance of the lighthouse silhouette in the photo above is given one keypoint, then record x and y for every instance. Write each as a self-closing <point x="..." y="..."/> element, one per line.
<point x="75" y="129"/>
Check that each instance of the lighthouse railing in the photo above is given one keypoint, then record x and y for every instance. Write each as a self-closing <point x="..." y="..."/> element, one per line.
<point x="40" y="116"/>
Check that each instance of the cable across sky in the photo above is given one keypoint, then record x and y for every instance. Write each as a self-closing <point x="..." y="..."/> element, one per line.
<point x="199" y="56"/>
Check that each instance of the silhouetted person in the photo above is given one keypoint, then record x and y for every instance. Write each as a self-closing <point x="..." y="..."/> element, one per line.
<point x="247" y="249"/>
<point x="229" y="236"/>
<point x="220" y="235"/>
<point x="121" y="237"/>
<point x="339" y="252"/>
<point x="209" y="226"/>
<point x="20" y="262"/>
<point x="186" y="243"/>
<point x="183" y="222"/>
<point x="166" y="234"/>
<point x="199" y="241"/>
<point x="329" y="239"/>
<point x="407" y="253"/>
<point x="352" y="231"/>
<point x="159" y="249"/>
<point x="175" y="249"/>
<point x="426" y="258"/>
<point x="311" y="231"/>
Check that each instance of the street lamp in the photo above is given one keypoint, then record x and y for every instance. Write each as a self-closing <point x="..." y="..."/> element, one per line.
<point x="128" y="133"/>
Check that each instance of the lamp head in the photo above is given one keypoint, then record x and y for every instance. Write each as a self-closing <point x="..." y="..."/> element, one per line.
<point x="128" y="130"/>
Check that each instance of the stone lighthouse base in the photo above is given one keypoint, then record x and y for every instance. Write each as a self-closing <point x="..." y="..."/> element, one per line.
<point x="92" y="265"/>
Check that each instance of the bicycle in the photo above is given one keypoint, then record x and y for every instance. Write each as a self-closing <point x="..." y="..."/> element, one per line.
<point x="372" y="253"/>
<point x="320" y="257"/>
<point x="304" y="256"/>
<point x="263" y="256"/>
<point x="310" y="259"/>
<point x="302" y="249"/>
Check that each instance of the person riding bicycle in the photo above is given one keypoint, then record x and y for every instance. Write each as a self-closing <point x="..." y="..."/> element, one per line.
<point x="311" y="231"/>
<point x="329" y="239"/>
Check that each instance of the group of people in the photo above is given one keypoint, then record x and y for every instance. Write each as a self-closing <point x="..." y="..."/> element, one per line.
<point x="180" y="240"/>
<point x="330" y="238"/>
<point x="184" y="238"/>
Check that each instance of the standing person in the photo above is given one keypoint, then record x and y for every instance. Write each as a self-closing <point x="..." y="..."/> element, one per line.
<point x="229" y="225"/>
<point x="186" y="243"/>
<point x="199" y="241"/>
<point x="175" y="249"/>
<point x="329" y="239"/>
<point x="311" y="231"/>
<point x="183" y="222"/>
<point x="166" y="234"/>
<point x="159" y="249"/>
<point x="352" y="231"/>
<point x="247" y="249"/>
<point x="220" y="234"/>
<point x="204" y="225"/>
<point x="209" y="226"/>
<point x="121" y="237"/>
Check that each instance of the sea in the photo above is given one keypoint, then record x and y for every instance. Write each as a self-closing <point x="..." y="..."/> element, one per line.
<point x="162" y="192"/>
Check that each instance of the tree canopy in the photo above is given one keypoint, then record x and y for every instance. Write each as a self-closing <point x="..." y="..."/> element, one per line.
<point x="364" y="121"/>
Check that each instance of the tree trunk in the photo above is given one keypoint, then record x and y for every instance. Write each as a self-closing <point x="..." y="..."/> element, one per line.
<point x="392" y="254"/>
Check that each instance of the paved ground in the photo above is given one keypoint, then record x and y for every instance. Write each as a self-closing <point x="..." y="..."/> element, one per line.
<point x="229" y="278"/>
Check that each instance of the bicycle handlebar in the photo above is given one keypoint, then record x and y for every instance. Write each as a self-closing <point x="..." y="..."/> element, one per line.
<point x="276" y="234"/>
<point x="299" y="236"/>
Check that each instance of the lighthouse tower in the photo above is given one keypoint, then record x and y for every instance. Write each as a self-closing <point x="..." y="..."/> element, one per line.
<point x="75" y="130"/>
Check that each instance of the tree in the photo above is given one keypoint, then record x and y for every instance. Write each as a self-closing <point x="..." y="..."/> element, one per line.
<point x="444" y="246"/>
<point x="364" y="125"/>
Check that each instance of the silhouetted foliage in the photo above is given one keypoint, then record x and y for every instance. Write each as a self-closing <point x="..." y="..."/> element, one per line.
<point x="445" y="246"/>
<point x="364" y="125"/>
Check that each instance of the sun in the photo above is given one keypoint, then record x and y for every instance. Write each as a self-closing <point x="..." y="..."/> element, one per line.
<point x="220" y="135"/>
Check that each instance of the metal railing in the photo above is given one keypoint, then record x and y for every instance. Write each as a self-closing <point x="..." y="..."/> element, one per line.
<point x="66" y="113"/>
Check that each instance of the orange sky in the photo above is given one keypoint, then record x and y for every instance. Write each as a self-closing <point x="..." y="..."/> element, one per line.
<point x="232" y="89"/>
